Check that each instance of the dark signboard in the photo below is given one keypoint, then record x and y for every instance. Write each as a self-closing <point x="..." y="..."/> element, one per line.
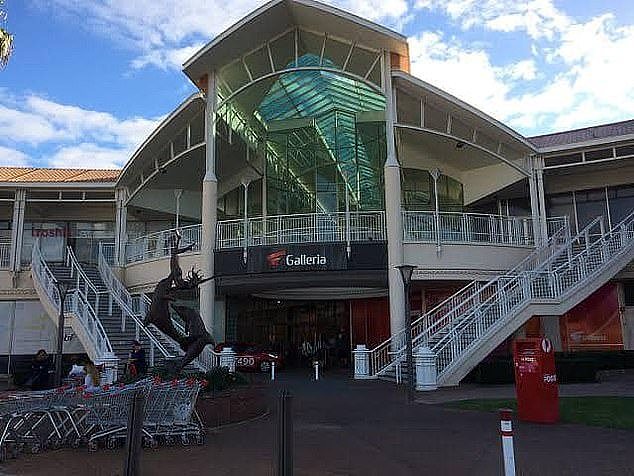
<point x="302" y="257"/>
<point x="297" y="257"/>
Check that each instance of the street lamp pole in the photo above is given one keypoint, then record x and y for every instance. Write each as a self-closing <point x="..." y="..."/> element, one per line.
<point x="62" y="289"/>
<point x="406" y="274"/>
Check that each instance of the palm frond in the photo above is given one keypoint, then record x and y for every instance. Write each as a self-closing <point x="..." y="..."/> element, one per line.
<point x="6" y="47"/>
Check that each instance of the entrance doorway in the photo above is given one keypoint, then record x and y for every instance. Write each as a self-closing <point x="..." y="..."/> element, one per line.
<point x="300" y="331"/>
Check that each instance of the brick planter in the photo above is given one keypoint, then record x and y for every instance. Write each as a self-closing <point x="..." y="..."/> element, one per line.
<point x="232" y="406"/>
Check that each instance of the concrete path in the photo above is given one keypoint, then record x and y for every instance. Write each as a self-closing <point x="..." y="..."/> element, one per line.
<point x="365" y="428"/>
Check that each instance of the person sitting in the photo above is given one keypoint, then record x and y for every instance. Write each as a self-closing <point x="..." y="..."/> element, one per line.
<point x="137" y="364"/>
<point x="40" y="370"/>
<point x="92" y="381"/>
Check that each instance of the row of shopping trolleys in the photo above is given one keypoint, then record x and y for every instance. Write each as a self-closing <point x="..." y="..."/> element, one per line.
<point x="73" y="417"/>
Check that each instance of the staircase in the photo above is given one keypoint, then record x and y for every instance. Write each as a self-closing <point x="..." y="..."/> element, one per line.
<point x="117" y="323"/>
<point x="465" y="328"/>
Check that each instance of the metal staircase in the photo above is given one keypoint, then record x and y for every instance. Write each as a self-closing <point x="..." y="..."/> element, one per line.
<point x="104" y="307"/>
<point x="466" y="327"/>
<point x="136" y="308"/>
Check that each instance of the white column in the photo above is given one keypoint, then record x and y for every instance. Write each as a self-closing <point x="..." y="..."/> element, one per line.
<point x="121" y="227"/>
<point x="393" y="213"/>
<point x="539" y="169"/>
<point x="534" y="195"/>
<point x="209" y="209"/>
<point x="17" y="229"/>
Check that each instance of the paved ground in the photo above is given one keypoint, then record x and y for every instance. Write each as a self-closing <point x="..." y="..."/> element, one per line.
<point x="345" y="427"/>
<point x="613" y="383"/>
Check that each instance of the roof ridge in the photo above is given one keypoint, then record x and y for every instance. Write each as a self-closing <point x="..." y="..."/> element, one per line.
<point x="606" y="124"/>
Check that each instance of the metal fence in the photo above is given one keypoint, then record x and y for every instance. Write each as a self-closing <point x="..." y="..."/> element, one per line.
<point x="453" y="227"/>
<point x="303" y="228"/>
<point x="5" y="255"/>
<point x="159" y="244"/>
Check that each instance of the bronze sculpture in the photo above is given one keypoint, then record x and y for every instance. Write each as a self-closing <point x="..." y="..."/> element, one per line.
<point x="166" y="292"/>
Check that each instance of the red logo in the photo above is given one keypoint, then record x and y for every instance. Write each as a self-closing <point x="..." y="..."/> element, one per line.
<point x="274" y="259"/>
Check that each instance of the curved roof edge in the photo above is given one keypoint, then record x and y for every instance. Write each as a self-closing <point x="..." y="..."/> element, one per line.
<point x="158" y="132"/>
<point x="278" y="15"/>
<point x="466" y="106"/>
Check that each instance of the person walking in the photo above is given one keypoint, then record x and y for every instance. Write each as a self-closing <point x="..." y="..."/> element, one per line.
<point x="137" y="365"/>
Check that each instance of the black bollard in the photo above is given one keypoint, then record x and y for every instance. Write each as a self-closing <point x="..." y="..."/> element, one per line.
<point x="285" y="435"/>
<point x="133" y="438"/>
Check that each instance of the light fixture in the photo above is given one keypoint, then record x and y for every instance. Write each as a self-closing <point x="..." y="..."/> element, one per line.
<point x="460" y="144"/>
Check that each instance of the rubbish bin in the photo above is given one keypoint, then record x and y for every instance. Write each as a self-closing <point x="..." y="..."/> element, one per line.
<point x="536" y="380"/>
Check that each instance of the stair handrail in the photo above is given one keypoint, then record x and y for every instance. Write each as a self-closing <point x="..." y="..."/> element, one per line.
<point x="392" y="348"/>
<point x="122" y="297"/>
<point x="78" y="305"/>
<point x="208" y="358"/>
<point x="77" y="271"/>
<point x="525" y="284"/>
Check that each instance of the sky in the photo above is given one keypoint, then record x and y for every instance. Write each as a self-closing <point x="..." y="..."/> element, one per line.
<point x="90" y="79"/>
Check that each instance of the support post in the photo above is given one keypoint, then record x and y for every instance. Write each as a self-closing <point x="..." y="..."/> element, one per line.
<point x="534" y="196"/>
<point x="425" y="364"/>
<point x="361" y="357"/>
<point x="17" y="230"/>
<point x="435" y="175"/>
<point x="133" y="441"/>
<point x="209" y="209"/>
<point x="121" y="223"/>
<point x="393" y="211"/>
<point x="228" y="359"/>
<point x="506" y="431"/>
<point x="285" y="435"/>
<point x="178" y="193"/>
<point x="542" y="199"/>
<point x="245" y="221"/>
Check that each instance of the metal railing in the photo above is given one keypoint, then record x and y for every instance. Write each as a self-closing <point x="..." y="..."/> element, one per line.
<point x="391" y="351"/>
<point x="5" y="255"/>
<point x="207" y="359"/>
<point x="108" y="251"/>
<point x="118" y="292"/>
<point x="76" y="304"/>
<point x="454" y="227"/>
<point x="137" y="306"/>
<point x="550" y="283"/>
<point x="159" y="244"/>
<point x="302" y="228"/>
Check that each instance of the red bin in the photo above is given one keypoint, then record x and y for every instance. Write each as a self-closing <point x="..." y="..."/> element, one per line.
<point x="536" y="380"/>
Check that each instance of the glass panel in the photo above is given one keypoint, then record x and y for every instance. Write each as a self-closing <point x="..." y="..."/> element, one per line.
<point x="590" y="205"/>
<point x="408" y="108"/>
<point x="621" y="202"/>
<point x="561" y="205"/>
<point x="417" y="190"/>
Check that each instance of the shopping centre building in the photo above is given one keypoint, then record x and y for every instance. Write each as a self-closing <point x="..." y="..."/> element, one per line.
<point x="310" y="165"/>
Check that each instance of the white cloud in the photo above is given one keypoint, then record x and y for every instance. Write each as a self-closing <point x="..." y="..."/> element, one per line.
<point x="166" y="32"/>
<point x="538" y="18"/>
<point x="36" y="122"/>
<point x="13" y="158"/>
<point x="90" y="156"/>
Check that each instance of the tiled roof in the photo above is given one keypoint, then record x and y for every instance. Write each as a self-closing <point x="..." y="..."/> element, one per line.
<point x="31" y="175"/>
<point x="603" y="131"/>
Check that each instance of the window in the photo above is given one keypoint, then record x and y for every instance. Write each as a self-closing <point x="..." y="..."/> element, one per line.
<point x="417" y="190"/>
<point x="590" y="205"/>
<point x="628" y="292"/>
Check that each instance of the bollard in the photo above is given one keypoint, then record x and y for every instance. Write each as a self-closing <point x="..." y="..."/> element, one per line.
<point x="133" y="440"/>
<point x="506" y="430"/>
<point x="285" y="435"/>
<point x="316" y="365"/>
<point x="272" y="371"/>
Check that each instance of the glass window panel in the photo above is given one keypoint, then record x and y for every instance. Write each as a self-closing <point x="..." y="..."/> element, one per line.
<point x="625" y="150"/>
<point x="563" y="159"/>
<point x="599" y="154"/>
<point x="408" y="108"/>
<point x="590" y="205"/>
<point x="561" y="205"/>
<point x="621" y="202"/>
<point x="283" y="51"/>
<point x="336" y="52"/>
<point x="258" y="62"/>
<point x="435" y="118"/>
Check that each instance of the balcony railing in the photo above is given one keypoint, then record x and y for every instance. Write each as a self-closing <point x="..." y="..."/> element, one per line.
<point x="159" y="244"/>
<point x="449" y="227"/>
<point x="306" y="228"/>
<point x="5" y="255"/>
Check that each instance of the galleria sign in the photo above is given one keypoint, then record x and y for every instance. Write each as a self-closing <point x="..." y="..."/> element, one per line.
<point x="275" y="259"/>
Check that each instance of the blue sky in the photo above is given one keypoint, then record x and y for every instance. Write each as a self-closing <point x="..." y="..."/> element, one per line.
<point x="90" y="79"/>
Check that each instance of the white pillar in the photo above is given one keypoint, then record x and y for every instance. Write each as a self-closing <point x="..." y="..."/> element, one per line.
<point x="361" y="356"/>
<point x="393" y="213"/>
<point x="209" y="209"/>
<point x="121" y="227"/>
<point x="228" y="359"/>
<point x="425" y="368"/>
<point x="541" y="193"/>
<point x="17" y="229"/>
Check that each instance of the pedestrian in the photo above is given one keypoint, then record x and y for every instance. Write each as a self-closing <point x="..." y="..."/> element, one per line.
<point x="40" y="371"/>
<point x="92" y="381"/>
<point x="137" y="364"/>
